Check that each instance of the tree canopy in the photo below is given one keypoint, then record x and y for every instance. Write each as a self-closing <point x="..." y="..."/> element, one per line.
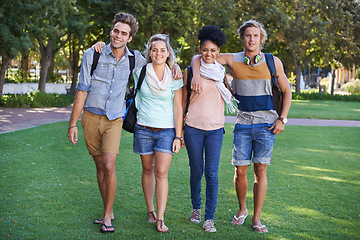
<point x="300" y="32"/>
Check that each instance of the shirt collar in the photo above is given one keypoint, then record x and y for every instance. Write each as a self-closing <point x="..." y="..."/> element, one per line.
<point x="107" y="50"/>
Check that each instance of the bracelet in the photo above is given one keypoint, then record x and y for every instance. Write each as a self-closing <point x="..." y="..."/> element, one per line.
<point x="72" y="127"/>
<point x="179" y="138"/>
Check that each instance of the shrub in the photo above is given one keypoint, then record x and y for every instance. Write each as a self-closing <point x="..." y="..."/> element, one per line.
<point x="36" y="99"/>
<point x="325" y="96"/>
<point x="324" y="84"/>
<point x="352" y="86"/>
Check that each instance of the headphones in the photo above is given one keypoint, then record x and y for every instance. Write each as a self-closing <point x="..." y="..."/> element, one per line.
<point x="257" y="59"/>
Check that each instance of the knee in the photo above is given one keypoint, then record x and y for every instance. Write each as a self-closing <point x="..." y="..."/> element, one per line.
<point x="108" y="167"/>
<point x="240" y="172"/>
<point x="148" y="171"/>
<point x="211" y="177"/>
<point x="161" y="175"/>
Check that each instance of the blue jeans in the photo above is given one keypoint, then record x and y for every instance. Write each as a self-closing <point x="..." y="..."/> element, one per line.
<point x="197" y="141"/>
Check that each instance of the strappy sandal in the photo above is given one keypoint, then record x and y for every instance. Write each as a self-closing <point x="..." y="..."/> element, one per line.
<point x="166" y="229"/>
<point x="236" y="222"/>
<point x="152" y="213"/>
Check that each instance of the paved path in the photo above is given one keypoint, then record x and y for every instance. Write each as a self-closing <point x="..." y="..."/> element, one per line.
<point x="12" y="119"/>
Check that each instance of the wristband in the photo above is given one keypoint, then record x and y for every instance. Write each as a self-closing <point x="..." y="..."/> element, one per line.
<point x="72" y="127"/>
<point x="179" y="138"/>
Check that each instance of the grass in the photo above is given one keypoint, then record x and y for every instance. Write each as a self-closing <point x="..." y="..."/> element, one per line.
<point x="49" y="191"/>
<point x="321" y="109"/>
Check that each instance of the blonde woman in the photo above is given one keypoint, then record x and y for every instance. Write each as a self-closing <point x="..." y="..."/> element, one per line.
<point x="158" y="132"/>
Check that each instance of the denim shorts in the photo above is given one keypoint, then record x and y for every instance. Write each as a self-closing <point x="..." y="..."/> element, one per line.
<point x="147" y="141"/>
<point x="254" y="144"/>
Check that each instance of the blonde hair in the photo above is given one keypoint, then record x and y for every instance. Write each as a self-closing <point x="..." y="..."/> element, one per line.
<point x="160" y="37"/>
<point x="253" y="23"/>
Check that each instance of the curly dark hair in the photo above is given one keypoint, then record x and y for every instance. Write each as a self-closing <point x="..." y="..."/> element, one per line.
<point x="212" y="33"/>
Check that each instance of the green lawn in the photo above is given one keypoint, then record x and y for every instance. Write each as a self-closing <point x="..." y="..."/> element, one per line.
<point x="49" y="191"/>
<point x="321" y="109"/>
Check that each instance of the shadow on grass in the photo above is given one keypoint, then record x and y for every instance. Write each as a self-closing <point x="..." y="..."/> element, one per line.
<point x="313" y="189"/>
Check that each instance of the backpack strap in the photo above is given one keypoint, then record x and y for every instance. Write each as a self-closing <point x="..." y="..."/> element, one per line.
<point x="188" y="88"/>
<point x="131" y="63"/>
<point x="271" y="66"/>
<point x="274" y="78"/>
<point x="95" y="62"/>
<point x="141" y="79"/>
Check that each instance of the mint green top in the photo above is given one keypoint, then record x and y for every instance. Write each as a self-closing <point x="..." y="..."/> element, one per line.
<point x="156" y="110"/>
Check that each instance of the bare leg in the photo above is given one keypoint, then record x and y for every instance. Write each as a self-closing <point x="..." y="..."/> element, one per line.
<point x="100" y="177"/>
<point x="162" y="165"/>
<point x="148" y="184"/>
<point x="241" y="184"/>
<point x="260" y="188"/>
<point x="109" y="185"/>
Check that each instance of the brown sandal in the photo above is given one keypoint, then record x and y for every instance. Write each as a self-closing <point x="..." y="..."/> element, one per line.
<point x="152" y="213"/>
<point x="161" y="229"/>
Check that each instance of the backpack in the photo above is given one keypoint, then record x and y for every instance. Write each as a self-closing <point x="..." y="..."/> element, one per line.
<point x="129" y="118"/>
<point x="277" y="94"/>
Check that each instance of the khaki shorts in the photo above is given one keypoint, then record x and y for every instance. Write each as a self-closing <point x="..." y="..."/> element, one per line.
<point x="101" y="135"/>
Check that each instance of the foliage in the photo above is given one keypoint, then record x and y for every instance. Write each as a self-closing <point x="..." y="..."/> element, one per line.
<point x="325" y="83"/>
<point x="352" y="86"/>
<point x="46" y="181"/>
<point x="36" y="99"/>
<point x="357" y="73"/>
<point x="325" y="96"/>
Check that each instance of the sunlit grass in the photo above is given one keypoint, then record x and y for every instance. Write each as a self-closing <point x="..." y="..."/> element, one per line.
<point x="45" y="182"/>
<point x="321" y="109"/>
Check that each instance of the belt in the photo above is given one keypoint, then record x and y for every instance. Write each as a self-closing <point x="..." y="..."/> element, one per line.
<point x="151" y="128"/>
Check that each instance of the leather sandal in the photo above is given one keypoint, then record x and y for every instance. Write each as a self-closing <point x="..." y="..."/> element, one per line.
<point x="161" y="229"/>
<point x="152" y="213"/>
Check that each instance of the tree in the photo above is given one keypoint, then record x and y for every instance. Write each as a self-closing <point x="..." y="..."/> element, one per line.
<point x="305" y="32"/>
<point x="13" y="37"/>
<point x="49" y="25"/>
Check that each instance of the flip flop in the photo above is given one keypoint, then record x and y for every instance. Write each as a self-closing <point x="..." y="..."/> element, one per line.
<point x="99" y="221"/>
<point x="107" y="227"/>
<point x="237" y="219"/>
<point x="257" y="228"/>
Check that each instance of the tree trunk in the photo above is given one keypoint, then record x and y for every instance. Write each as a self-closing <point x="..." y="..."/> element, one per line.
<point x="4" y="64"/>
<point x="47" y="57"/>
<point x="332" y="81"/>
<point x="75" y="66"/>
<point x="298" y="69"/>
<point x="25" y="61"/>
<point x="24" y="65"/>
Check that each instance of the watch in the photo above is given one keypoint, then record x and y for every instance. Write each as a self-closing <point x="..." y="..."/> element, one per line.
<point x="179" y="138"/>
<point x="284" y="120"/>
